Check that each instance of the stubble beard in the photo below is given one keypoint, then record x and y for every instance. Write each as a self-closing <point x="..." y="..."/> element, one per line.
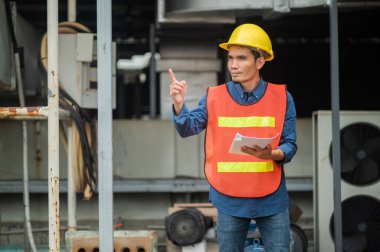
<point x="238" y="80"/>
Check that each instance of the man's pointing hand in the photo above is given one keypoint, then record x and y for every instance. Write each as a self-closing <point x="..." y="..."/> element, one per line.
<point x="177" y="92"/>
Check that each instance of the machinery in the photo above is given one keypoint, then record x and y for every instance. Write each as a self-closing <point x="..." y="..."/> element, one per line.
<point x="360" y="184"/>
<point x="27" y="43"/>
<point x="188" y="226"/>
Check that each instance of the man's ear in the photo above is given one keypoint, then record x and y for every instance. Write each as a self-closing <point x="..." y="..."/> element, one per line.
<point x="260" y="62"/>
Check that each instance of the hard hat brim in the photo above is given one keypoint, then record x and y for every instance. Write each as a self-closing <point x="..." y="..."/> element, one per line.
<point x="226" y="46"/>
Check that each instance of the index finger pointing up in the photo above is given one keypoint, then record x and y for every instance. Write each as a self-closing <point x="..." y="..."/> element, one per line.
<point x="171" y="75"/>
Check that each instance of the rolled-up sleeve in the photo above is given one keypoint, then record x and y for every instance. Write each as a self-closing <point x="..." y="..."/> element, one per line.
<point x="189" y="123"/>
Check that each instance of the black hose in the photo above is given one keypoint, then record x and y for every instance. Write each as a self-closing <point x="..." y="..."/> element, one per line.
<point x="68" y="97"/>
<point x="80" y="119"/>
<point x="88" y="161"/>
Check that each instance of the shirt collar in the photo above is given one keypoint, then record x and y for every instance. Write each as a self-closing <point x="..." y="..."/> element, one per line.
<point x="257" y="92"/>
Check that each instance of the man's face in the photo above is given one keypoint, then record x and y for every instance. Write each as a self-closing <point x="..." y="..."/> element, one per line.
<point x="242" y="64"/>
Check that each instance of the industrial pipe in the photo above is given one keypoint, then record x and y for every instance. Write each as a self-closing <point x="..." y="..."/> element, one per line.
<point x="53" y="125"/>
<point x="72" y="10"/>
<point x="152" y="73"/>
<point x="334" y="73"/>
<point x="25" y="158"/>
<point x="20" y="88"/>
<point x="104" y="47"/>
<point x="71" y="195"/>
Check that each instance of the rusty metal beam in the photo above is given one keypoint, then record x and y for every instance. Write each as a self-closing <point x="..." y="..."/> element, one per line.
<point x="29" y="113"/>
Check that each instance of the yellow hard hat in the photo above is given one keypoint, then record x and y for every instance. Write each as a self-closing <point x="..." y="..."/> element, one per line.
<point x="253" y="36"/>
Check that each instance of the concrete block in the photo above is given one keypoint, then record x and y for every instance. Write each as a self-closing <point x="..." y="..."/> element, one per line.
<point x="197" y="84"/>
<point x="188" y="48"/>
<point x="133" y="241"/>
<point x="191" y="65"/>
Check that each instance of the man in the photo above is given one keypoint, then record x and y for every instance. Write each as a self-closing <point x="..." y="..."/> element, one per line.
<point x="250" y="185"/>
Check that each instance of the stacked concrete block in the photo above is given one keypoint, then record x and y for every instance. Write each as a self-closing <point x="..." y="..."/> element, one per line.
<point x="195" y="62"/>
<point x="132" y="241"/>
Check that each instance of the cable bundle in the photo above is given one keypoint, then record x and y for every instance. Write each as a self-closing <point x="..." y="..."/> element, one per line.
<point x="84" y="164"/>
<point x="86" y="153"/>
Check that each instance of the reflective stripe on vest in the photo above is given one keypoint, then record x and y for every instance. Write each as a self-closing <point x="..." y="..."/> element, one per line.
<point x="250" y="121"/>
<point x="245" y="166"/>
<point x="242" y="175"/>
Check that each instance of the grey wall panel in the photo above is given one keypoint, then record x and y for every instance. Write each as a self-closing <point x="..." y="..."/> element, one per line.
<point x="188" y="156"/>
<point x="11" y="151"/>
<point x="143" y="149"/>
<point x="302" y="163"/>
<point x="136" y="206"/>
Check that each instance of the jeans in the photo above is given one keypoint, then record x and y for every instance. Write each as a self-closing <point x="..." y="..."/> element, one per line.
<point x="274" y="230"/>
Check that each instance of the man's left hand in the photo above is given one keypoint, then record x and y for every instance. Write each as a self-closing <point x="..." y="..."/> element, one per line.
<point x="262" y="153"/>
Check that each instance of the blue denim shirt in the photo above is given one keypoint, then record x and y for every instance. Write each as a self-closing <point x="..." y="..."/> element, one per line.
<point x="192" y="122"/>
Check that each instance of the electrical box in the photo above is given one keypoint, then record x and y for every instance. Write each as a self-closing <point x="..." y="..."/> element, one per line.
<point x="78" y="68"/>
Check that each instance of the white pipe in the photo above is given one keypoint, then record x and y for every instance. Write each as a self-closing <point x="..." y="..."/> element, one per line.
<point x="20" y="87"/>
<point x="71" y="195"/>
<point x="25" y="169"/>
<point x="72" y="10"/>
<point x="26" y="186"/>
<point x="24" y="156"/>
<point x="53" y="126"/>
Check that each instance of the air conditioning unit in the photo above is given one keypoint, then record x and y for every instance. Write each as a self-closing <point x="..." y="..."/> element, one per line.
<point x="360" y="180"/>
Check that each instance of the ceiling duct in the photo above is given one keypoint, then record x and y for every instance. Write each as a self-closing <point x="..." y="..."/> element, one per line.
<point x="226" y="11"/>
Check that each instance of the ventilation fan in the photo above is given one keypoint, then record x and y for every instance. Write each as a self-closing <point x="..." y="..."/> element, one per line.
<point x="360" y="165"/>
<point x="360" y="183"/>
<point x="360" y="224"/>
<point x="360" y="154"/>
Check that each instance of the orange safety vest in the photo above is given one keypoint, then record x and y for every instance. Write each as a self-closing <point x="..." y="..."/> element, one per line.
<point x="235" y="174"/>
